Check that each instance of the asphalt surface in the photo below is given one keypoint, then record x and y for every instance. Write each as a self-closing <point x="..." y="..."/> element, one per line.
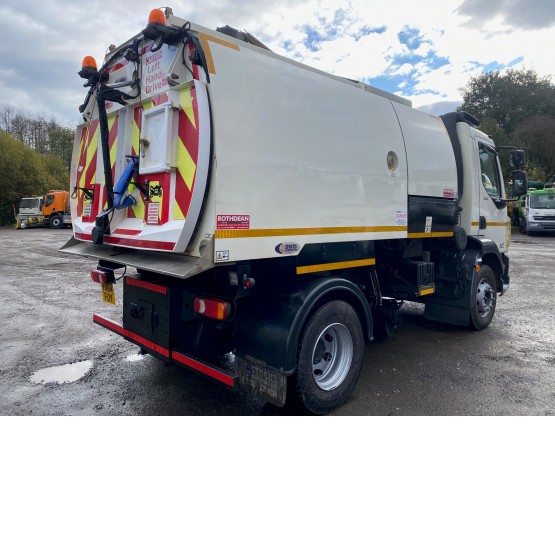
<point x="425" y="369"/>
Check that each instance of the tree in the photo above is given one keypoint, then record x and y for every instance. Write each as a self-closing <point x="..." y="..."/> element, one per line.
<point x="516" y="107"/>
<point x="537" y="135"/>
<point x="508" y="98"/>
<point x="24" y="172"/>
<point x="46" y="136"/>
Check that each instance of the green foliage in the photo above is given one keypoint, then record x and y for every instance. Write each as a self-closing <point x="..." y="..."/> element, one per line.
<point x="516" y="107"/>
<point x="25" y="172"/>
<point x="35" y="131"/>
<point x="537" y="136"/>
<point x="509" y="98"/>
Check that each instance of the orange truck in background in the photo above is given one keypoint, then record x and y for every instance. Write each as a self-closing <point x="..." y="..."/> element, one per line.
<point x="51" y="210"/>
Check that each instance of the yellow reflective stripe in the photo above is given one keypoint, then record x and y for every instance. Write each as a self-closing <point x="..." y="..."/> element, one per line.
<point x="335" y="266"/>
<point x="242" y="233"/>
<point x="427" y="291"/>
<point x="113" y="150"/>
<point x="186" y="104"/>
<point x="204" y="38"/>
<point x="428" y="235"/>
<point x="499" y="224"/>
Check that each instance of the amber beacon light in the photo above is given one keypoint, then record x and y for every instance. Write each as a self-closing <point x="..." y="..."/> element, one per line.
<point x="156" y="25"/>
<point x="88" y="67"/>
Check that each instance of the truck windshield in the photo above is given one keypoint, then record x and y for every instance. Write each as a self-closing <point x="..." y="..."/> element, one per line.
<point x="542" y="201"/>
<point x="29" y="203"/>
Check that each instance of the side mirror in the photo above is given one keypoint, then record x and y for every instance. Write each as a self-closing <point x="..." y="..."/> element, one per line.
<point x="517" y="158"/>
<point x="520" y="182"/>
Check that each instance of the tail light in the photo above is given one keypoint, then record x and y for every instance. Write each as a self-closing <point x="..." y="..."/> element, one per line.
<point x="212" y="308"/>
<point x="103" y="276"/>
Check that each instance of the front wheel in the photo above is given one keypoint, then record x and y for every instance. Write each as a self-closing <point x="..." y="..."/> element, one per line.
<point x="484" y="298"/>
<point x="329" y="357"/>
<point x="56" y="221"/>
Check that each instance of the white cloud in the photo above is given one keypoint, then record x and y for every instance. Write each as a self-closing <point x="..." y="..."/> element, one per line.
<point x="46" y="41"/>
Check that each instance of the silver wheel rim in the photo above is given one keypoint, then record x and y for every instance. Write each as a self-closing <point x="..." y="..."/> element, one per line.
<point x="332" y="357"/>
<point x="485" y="296"/>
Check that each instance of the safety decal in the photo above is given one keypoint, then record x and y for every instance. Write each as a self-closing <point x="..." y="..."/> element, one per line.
<point x="400" y="217"/>
<point x="449" y="193"/>
<point x="428" y="228"/>
<point x="222" y="256"/>
<point x="233" y="221"/>
<point x="287" y="248"/>
<point x="152" y="213"/>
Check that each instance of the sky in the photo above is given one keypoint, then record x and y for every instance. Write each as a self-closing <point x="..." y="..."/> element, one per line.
<point x="422" y="50"/>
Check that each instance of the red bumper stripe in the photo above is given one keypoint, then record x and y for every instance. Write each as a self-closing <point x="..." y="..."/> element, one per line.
<point x="119" y="329"/>
<point x="127" y="231"/>
<point x="145" y="285"/>
<point x="175" y="355"/>
<point x="140" y="243"/>
<point x="200" y="367"/>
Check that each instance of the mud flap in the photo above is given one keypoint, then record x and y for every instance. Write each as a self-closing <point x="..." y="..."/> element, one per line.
<point x="260" y="380"/>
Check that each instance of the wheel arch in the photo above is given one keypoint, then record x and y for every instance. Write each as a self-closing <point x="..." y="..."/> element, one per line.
<point x="490" y="255"/>
<point x="323" y="292"/>
<point x="271" y="334"/>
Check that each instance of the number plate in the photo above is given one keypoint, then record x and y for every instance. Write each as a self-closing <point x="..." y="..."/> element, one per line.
<point x="108" y="294"/>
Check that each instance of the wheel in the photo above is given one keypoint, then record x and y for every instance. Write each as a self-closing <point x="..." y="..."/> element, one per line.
<point x="329" y="358"/>
<point x="484" y="295"/>
<point x="56" y="221"/>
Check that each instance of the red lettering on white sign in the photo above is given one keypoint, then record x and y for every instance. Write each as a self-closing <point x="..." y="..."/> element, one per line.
<point x="233" y="221"/>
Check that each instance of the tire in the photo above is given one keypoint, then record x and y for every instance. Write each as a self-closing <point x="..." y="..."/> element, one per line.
<point x="484" y="298"/>
<point x="330" y="356"/>
<point x="56" y="221"/>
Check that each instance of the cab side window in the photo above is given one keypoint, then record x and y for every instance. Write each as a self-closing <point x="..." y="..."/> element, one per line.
<point x="49" y="199"/>
<point x="489" y="171"/>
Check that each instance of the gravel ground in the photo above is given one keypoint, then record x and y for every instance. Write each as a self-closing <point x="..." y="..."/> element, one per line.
<point x="424" y="369"/>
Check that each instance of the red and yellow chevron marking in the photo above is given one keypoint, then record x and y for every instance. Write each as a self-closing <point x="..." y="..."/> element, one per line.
<point x="113" y="120"/>
<point x="87" y="162"/>
<point x="187" y="152"/>
<point x="81" y="168"/>
<point x="137" y="210"/>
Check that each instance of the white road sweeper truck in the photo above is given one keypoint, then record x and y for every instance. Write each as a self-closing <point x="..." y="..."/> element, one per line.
<point x="275" y="217"/>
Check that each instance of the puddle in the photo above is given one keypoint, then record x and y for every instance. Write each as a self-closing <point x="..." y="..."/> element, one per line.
<point x="62" y="374"/>
<point x="135" y="357"/>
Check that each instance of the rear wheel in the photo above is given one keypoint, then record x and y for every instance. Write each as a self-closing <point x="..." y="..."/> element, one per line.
<point x="330" y="358"/>
<point x="484" y="298"/>
<point x="56" y="221"/>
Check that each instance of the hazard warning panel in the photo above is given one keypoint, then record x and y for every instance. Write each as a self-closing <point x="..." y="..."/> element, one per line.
<point x="233" y="221"/>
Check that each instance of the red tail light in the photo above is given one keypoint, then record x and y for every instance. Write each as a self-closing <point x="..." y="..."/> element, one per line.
<point x="103" y="276"/>
<point x="212" y="308"/>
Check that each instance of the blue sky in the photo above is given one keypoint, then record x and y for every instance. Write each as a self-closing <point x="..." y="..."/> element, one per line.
<point x="424" y="51"/>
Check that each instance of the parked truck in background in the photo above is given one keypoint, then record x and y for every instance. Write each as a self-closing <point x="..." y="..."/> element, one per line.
<point x="275" y="217"/>
<point x="51" y="210"/>
<point x="536" y="210"/>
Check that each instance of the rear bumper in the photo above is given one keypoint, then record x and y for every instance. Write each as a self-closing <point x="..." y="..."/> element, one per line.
<point x="173" y="356"/>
